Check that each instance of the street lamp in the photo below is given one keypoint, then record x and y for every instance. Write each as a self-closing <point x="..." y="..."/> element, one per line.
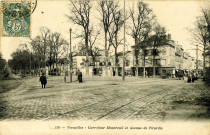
<point x="70" y="56"/>
<point x="123" y="74"/>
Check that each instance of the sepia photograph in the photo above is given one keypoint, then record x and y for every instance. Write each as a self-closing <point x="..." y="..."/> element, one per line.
<point x="104" y="67"/>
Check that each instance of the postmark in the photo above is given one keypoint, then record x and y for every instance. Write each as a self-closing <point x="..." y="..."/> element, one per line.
<point x="16" y="17"/>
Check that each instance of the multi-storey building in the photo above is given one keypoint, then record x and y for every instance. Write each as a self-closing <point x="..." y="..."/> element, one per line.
<point x="164" y="63"/>
<point x="179" y="55"/>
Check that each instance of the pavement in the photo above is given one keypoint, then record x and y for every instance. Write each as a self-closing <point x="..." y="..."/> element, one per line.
<point x="97" y="98"/>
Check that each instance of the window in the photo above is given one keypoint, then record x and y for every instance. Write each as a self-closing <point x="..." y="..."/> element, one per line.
<point x="164" y="51"/>
<point x="157" y="62"/>
<point x="163" y="62"/>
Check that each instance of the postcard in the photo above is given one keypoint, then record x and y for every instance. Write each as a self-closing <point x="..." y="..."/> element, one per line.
<point x="104" y="67"/>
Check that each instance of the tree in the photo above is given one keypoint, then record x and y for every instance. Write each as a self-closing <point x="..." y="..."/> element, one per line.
<point x="155" y="41"/>
<point x="201" y="34"/>
<point x="106" y="9"/>
<point x="45" y="32"/>
<point x="118" y="22"/>
<point x="2" y="62"/>
<point x="80" y="15"/>
<point x="20" y="60"/>
<point x="140" y="22"/>
<point x="144" y="46"/>
<point x="58" y="46"/>
<point x="50" y="45"/>
<point x="94" y="50"/>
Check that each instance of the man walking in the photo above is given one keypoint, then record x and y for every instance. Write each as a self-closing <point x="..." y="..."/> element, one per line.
<point x="79" y="76"/>
<point x="43" y="80"/>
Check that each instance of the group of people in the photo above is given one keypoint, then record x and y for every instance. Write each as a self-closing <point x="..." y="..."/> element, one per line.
<point x="190" y="75"/>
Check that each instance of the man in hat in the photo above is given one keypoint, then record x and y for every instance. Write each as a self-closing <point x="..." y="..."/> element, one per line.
<point x="43" y="80"/>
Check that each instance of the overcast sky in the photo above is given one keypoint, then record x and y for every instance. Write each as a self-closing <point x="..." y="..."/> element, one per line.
<point x="175" y="16"/>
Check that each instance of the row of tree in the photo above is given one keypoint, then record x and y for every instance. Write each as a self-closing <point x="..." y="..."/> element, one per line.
<point x="143" y="28"/>
<point x="45" y="49"/>
<point x="48" y="47"/>
<point x="2" y="66"/>
<point x="201" y="34"/>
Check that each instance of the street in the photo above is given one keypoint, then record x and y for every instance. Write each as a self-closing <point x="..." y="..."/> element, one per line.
<point x="100" y="98"/>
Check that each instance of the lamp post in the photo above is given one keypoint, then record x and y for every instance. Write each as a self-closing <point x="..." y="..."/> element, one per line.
<point x="196" y="60"/>
<point x="70" y="56"/>
<point x="123" y="74"/>
<point x="64" y="71"/>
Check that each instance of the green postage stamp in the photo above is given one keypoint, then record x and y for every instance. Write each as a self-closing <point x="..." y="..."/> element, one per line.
<point x="16" y="17"/>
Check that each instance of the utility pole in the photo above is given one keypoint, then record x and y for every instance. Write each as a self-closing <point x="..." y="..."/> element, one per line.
<point x="30" y="63"/>
<point x="196" y="58"/>
<point x="123" y="74"/>
<point x="70" y="56"/>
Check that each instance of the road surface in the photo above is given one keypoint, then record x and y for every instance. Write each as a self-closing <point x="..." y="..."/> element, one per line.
<point x="97" y="98"/>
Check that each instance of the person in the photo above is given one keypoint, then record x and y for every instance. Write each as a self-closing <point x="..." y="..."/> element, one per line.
<point x="192" y="76"/>
<point x="80" y="77"/>
<point x="43" y="80"/>
<point x="189" y="77"/>
<point x="176" y="74"/>
<point x="146" y="73"/>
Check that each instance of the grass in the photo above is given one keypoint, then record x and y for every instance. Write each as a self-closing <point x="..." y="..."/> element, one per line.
<point x="7" y="85"/>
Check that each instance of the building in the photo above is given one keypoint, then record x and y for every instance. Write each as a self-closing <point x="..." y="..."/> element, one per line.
<point x="179" y="56"/>
<point x="164" y="62"/>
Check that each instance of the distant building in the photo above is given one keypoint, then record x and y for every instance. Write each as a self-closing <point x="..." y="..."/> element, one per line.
<point x="164" y="62"/>
<point x="179" y="54"/>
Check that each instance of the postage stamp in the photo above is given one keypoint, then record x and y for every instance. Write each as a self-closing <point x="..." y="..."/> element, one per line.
<point x="16" y="17"/>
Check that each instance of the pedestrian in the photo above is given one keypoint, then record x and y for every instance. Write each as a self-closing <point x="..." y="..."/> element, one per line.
<point x="189" y="77"/>
<point x="176" y="74"/>
<point x="43" y="80"/>
<point x="146" y="73"/>
<point x="193" y="76"/>
<point x="80" y="77"/>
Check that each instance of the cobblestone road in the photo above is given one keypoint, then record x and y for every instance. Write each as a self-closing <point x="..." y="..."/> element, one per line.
<point x="96" y="98"/>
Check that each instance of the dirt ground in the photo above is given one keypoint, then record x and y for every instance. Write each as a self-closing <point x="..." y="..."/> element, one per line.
<point x="99" y="98"/>
<point x="194" y="105"/>
<point x="7" y="85"/>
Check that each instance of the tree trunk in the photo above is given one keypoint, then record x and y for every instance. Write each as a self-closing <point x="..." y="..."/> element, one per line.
<point x="204" y="60"/>
<point x="153" y="66"/>
<point x="137" y="58"/>
<point x="56" y="64"/>
<point x="116" y="57"/>
<point x="39" y="68"/>
<point x="50" y="62"/>
<point x="116" y="63"/>
<point x="106" y="55"/>
<point x="53" y="68"/>
<point x="87" y="52"/>
<point x="144" y="67"/>
<point x="94" y="61"/>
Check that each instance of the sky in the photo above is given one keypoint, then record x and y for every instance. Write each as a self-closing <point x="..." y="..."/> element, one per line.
<point x="175" y="16"/>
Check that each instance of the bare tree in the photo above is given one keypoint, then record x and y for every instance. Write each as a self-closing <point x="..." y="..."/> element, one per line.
<point x="201" y="34"/>
<point x="59" y="46"/>
<point x="140" y="21"/>
<point x="48" y="44"/>
<point x="80" y="15"/>
<point x="157" y="40"/>
<point x="94" y="50"/>
<point x="118" y="22"/>
<point x="105" y="10"/>
<point x="143" y="45"/>
<point x="45" y="32"/>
